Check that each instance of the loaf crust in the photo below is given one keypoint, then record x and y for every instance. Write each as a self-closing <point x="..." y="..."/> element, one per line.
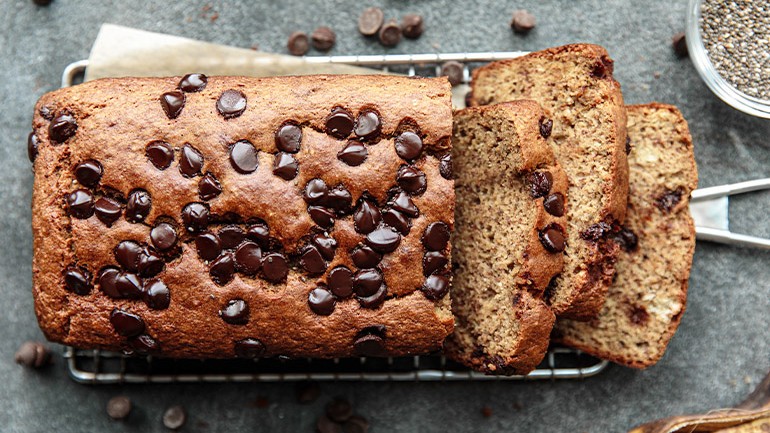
<point x="118" y="118"/>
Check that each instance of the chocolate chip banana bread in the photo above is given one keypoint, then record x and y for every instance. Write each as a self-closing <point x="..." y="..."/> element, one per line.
<point x="647" y="298"/>
<point x="229" y="216"/>
<point x="510" y="237"/>
<point x="574" y="85"/>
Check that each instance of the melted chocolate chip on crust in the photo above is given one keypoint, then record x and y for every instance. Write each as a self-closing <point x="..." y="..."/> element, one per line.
<point x="433" y="261"/>
<point x="108" y="278"/>
<point x="368" y="125"/>
<point x="366" y="282"/>
<point x="436" y="236"/>
<point x="209" y="187"/>
<point x="156" y="295"/>
<point x="353" y="154"/>
<point x="231" y="103"/>
<point x="383" y="240"/>
<point x="125" y="323"/>
<point x="370" y="341"/>
<point x="107" y="210"/>
<point x="77" y="279"/>
<point x="341" y="282"/>
<point x="403" y="203"/>
<point x="32" y="144"/>
<point x="408" y="145"/>
<point x="172" y="103"/>
<point x="190" y="161"/>
<point x="365" y="257"/>
<point x="546" y="126"/>
<point x="367" y="217"/>
<point x="540" y="183"/>
<point x="248" y="258"/>
<point x="397" y="220"/>
<point x="62" y="127"/>
<point x="285" y="166"/>
<point x="150" y="263"/>
<point x="275" y="268"/>
<point x="445" y="167"/>
<point x="411" y="180"/>
<point x="325" y="244"/>
<point x="554" y="204"/>
<point x="249" y="348"/>
<point x="195" y="217"/>
<point x="435" y="287"/>
<point x="312" y="261"/>
<point x="243" y="157"/>
<point x="208" y="246"/>
<point x="288" y="138"/>
<point x="259" y="233"/>
<point x="127" y="255"/>
<point x="163" y="236"/>
<point x="315" y="191"/>
<point x="222" y="269"/>
<point x="129" y="285"/>
<point x="322" y="216"/>
<point x="160" y="154"/>
<point x="321" y="301"/>
<point x="374" y="301"/>
<point x="89" y="172"/>
<point x="144" y="344"/>
<point x="339" y="123"/>
<point x="138" y="205"/>
<point x="235" y="312"/>
<point x="552" y="238"/>
<point x="192" y="83"/>
<point x="80" y="203"/>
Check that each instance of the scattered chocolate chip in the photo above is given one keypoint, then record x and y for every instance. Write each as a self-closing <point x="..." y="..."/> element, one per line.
<point x="285" y="166"/>
<point x="323" y="38"/>
<point x="433" y="261"/>
<point x="172" y="103"/>
<point x="248" y="258"/>
<point x="231" y="103"/>
<point x="125" y="323"/>
<point x="32" y="354"/>
<point x="62" y="127"/>
<point x="679" y="44"/>
<point x="129" y="285"/>
<point x="144" y="344"/>
<point x="366" y="282"/>
<point x="370" y="21"/>
<point x="107" y="210"/>
<point x="160" y="154"/>
<point x="222" y="269"/>
<point x="412" y="26"/>
<point x="453" y="70"/>
<point x="307" y="391"/>
<point x="195" y="217"/>
<point x="163" y="236"/>
<point x="150" y="263"/>
<point x="208" y="246"/>
<point x="522" y="21"/>
<point x="174" y="417"/>
<point x="32" y="145"/>
<point x="595" y="232"/>
<point x="540" y="183"/>
<point x="435" y="287"/>
<point x="192" y="83"/>
<point x="397" y="220"/>
<point x="321" y="301"/>
<point x="368" y="125"/>
<point x="235" y="312"/>
<point x="89" y="172"/>
<point x="80" y="203"/>
<point x="370" y="341"/>
<point x="243" y="157"/>
<point x="339" y="123"/>
<point x="383" y="240"/>
<point x="260" y="234"/>
<point x="324" y="425"/>
<point x="322" y="216"/>
<point x="411" y="180"/>
<point x="288" y="138"/>
<point x="353" y="154"/>
<point x="367" y="217"/>
<point x="364" y="257"/>
<point x="119" y="407"/>
<point x="209" y="187"/>
<point x="298" y="44"/>
<point x="546" y="126"/>
<point x="403" y="203"/>
<point x="356" y="424"/>
<point x="312" y="261"/>
<point x="249" y="348"/>
<point x="108" y="278"/>
<point x="554" y="204"/>
<point x="325" y="244"/>
<point x="275" y="267"/>
<point x="338" y="198"/>
<point x="339" y="410"/>
<point x="341" y="282"/>
<point x="669" y="199"/>
<point x="77" y="279"/>
<point x="190" y="161"/>
<point x="408" y="145"/>
<point x="445" y="166"/>
<point x="627" y="240"/>
<point x="138" y="205"/>
<point x="374" y="301"/>
<point x="552" y="238"/>
<point x="156" y="295"/>
<point x="127" y="255"/>
<point x="390" y="34"/>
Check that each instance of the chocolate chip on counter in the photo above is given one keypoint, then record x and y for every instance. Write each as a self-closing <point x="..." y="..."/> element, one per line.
<point x="208" y="246"/>
<point x="341" y="282"/>
<point x="209" y="187"/>
<point x="163" y="236"/>
<point x="190" y="161"/>
<point x="433" y="261"/>
<point x="172" y="103"/>
<point x="338" y="198"/>
<point x="323" y="38"/>
<point x="108" y="278"/>
<point x="356" y="424"/>
<point x="339" y="123"/>
<point x="192" y="83"/>
<point x="77" y="279"/>
<point x="127" y="255"/>
<point x="288" y="138"/>
<point x="390" y="34"/>
<point x="679" y="44"/>
<point x="150" y="263"/>
<point x="445" y="167"/>
<point x="322" y="216"/>
<point x="42" y="2"/>
<point x="275" y="268"/>
<point x="89" y="172"/>
<point x="411" y="180"/>
<point x="32" y="354"/>
<point x="435" y="287"/>
<point x="367" y="217"/>
<point x="412" y="26"/>
<point x="62" y="127"/>
<point x="125" y="323"/>
<point x="374" y="301"/>
<point x="339" y="410"/>
<point x="366" y="282"/>
<point x="546" y="127"/>
<point x="370" y="21"/>
<point x="370" y="341"/>
<point x="222" y="269"/>
<point x="408" y="145"/>
<point x="195" y="217"/>
<point x="307" y="391"/>
<point x="156" y="294"/>
<point x="324" y="425"/>
<point x="522" y="21"/>
<point x="231" y="103"/>
<point x="259" y="233"/>
<point x="368" y="125"/>
<point x="32" y="145"/>
<point x="285" y="166"/>
<point x="453" y="70"/>
<point x="243" y="157"/>
<point x="326" y="245"/>
<point x="315" y="191"/>
<point x="129" y="285"/>
<point x="321" y="301"/>
<point x="107" y="210"/>
<point x="383" y="240"/>
<point x="298" y="44"/>
<point x="353" y="154"/>
<point x="312" y="261"/>
<point x="554" y="204"/>
<point x="397" y="220"/>
<point x="364" y="257"/>
<point x="436" y="236"/>
<point x="403" y="203"/>
<point x="160" y="154"/>
<point x="174" y="417"/>
<point x="552" y="238"/>
<point x="144" y="344"/>
<point x="235" y="312"/>
<point x="540" y="183"/>
<point x="249" y="348"/>
<point x="80" y="203"/>
<point x="627" y="240"/>
<point x="248" y="258"/>
<point x="119" y="407"/>
<point x="138" y="205"/>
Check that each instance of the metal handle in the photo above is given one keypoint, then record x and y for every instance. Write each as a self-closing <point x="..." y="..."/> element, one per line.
<point x="730" y="238"/>
<point x="730" y="189"/>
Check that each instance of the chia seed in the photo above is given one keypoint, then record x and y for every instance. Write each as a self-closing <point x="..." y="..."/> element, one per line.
<point x="736" y="35"/>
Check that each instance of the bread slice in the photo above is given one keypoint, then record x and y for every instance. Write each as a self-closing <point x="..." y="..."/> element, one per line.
<point x="647" y="299"/>
<point x="574" y="85"/>
<point x="507" y="245"/>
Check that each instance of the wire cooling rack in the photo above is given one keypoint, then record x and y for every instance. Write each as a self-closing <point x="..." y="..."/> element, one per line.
<point x="100" y="367"/>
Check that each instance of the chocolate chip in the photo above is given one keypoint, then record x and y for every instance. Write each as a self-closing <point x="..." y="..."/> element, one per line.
<point x="77" y="279"/>
<point x="231" y="103"/>
<point x="368" y="125"/>
<point x="249" y="348"/>
<point x="138" y="205"/>
<point x="172" y="103"/>
<point x="412" y="26"/>
<point x="144" y="344"/>
<point x="397" y="220"/>
<point x="222" y="269"/>
<point x="174" y="417"/>
<point x="367" y="217"/>
<point x="383" y="240"/>
<point x="374" y="301"/>
<point x="127" y="255"/>
<point x="89" y="172"/>
<point x="208" y="246"/>
<point x="129" y="285"/>
<point x="366" y="282"/>
<point x="150" y="264"/>
<point x="288" y="138"/>
<point x="298" y="44"/>
<point x="522" y="21"/>
<point x="354" y="153"/>
<point x="679" y="44"/>
<point x="275" y="268"/>
<point x="435" y="287"/>
<point x="364" y="257"/>
<point x="669" y="199"/>
<point x="307" y="392"/>
<point x="321" y="301"/>
<point x="322" y="216"/>
<point x="453" y="70"/>
<point x="80" y="203"/>
<point x="638" y="315"/>
<point x="209" y="187"/>
<point x="42" y="2"/>
<point x="119" y="407"/>
<point x="433" y="261"/>
<point x="324" y="425"/>
<point x="326" y="245"/>
<point x="46" y="112"/>
<point x="108" y="278"/>
<point x="370" y="341"/>
<point x="390" y="34"/>
<point x="62" y="127"/>
<point x="339" y="123"/>
<point x="285" y="166"/>
<point x="260" y="234"/>
<point x="192" y="83"/>
<point x="243" y="157"/>
<point x="312" y="261"/>
<point x="195" y="217"/>
<point x="546" y="126"/>
<point x="190" y="161"/>
<point x="554" y="204"/>
<point x="32" y="145"/>
<point x="408" y="145"/>
<point x="338" y="198"/>
<point x="595" y="232"/>
<point x="231" y="236"/>
<point x="315" y="191"/>
<point x="602" y="68"/>
<point x="627" y="240"/>
<point x="248" y="258"/>
<point x="125" y="323"/>
<point x="445" y="166"/>
<point x="323" y="38"/>
<point x="339" y="410"/>
<point x="160" y="154"/>
<point x="411" y="180"/>
<point x="156" y="295"/>
<point x="235" y="312"/>
<point x="341" y="282"/>
<point x="540" y="183"/>
<point x="552" y="238"/>
<point x="107" y="210"/>
<point x="403" y="203"/>
<point x="370" y="21"/>
<point x="469" y="98"/>
<point x="163" y="236"/>
<point x="32" y="354"/>
<point x="628" y="145"/>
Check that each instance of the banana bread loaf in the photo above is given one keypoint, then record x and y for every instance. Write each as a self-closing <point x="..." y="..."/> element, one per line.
<point x="230" y="216"/>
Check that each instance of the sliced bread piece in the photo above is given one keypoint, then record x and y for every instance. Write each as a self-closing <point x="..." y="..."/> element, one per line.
<point x="647" y="299"/>
<point x="574" y="85"/>
<point x="509" y="237"/>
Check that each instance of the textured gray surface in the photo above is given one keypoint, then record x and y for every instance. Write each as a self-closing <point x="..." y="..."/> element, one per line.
<point x="720" y="352"/>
